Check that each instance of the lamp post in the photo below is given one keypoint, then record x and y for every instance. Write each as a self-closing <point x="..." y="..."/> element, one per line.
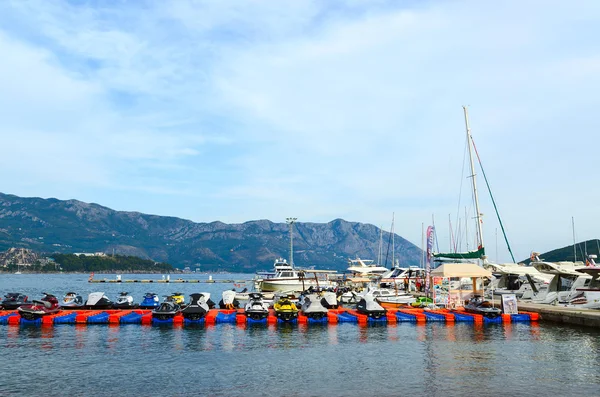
<point x="291" y="221"/>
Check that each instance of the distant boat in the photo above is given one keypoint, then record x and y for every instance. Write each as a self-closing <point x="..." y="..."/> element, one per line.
<point x="365" y="267"/>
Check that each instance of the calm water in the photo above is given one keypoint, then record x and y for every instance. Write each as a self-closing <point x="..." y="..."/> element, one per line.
<point x="343" y="360"/>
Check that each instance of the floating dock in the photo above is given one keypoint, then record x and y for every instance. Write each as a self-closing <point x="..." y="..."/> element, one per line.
<point x="214" y="316"/>
<point x="166" y="281"/>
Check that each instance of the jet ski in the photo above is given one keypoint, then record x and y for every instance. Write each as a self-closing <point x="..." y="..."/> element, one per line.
<point x="256" y="308"/>
<point x="367" y="305"/>
<point x="166" y="310"/>
<point x="13" y="300"/>
<point x="422" y="301"/>
<point x="197" y="307"/>
<point x="97" y="300"/>
<point x="178" y="298"/>
<point x="285" y="309"/>
<point x="478" y="305"/>
<point x="72" y="301"/>
<point x="150" y="301"/>
<point x="312" y="306"/>
<point x="124" y="301"/>
<point x="329" y="300"/>
<point x="229" y="301"/>
<point x="40" y="308"/>
<point x="209" y="302"/>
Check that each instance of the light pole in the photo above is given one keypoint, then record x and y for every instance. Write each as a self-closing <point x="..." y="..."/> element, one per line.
<point x="291" y="221"/>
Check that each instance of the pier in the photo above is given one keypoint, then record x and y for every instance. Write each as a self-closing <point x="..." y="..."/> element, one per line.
<point x="564" y="315"/>
<point x="166" y="281"/>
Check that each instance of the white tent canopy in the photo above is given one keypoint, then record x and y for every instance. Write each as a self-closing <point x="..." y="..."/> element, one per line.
<point x="460" y="270"/>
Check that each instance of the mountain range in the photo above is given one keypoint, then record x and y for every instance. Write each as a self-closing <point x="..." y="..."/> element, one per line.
<point x="571" y="253"/>
<point x="72" y="226"/>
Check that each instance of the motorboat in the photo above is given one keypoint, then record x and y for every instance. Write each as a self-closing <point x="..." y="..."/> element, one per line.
<point x="98" y="300"/>
<point x="40" y="308"/>
<point x="369" y="306"/>
<point x="256" y="308"/>
<point x="72" y="301"/>
<point x="365" y="267"/>
<point x="587" y="297"/>
<point x="312" y="306"/>
<point x="478" y="305"/>
<point x="229" y="301"/>
<point x="512" y="278"/>
<point x="166" y="310"/>
<point x="347" y="295"/>
<point x="296" y="280"/>
<point x="124" y="301"/>
<point x="197" y="308"/>
<point x="565" y="280"/>
<point x="285" y="309"/>
<point x="13" y="300"/>
<point x="279" y="265"/>
<point x="391" y="296"/>
<point x="401" y="276"/>
<point x="150" y="301"/>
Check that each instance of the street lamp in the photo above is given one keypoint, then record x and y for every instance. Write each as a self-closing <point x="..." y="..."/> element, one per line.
<point x="291" y="221"/>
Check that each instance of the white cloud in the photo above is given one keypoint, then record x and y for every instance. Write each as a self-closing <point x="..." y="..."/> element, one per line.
<point x="349" y="110"/>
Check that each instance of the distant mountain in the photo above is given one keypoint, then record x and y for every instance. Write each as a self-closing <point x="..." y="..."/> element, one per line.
<point x="70" y="226"/>
<point x="584" y="248"/>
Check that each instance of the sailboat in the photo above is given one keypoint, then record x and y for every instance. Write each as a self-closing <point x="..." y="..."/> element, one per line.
<point x="505" y="269"/>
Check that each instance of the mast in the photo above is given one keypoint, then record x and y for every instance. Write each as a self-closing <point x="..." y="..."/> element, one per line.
<point x="473" y="178"/>
<point x="422" y="245"/>
<point x="574" y="244"/>
<point x="393" y="246"/>
<point x="380" y="253"/>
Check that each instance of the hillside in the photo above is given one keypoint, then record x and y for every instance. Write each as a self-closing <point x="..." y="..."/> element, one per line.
<point x="67" y="226"/>
<point x="591" y="247"/>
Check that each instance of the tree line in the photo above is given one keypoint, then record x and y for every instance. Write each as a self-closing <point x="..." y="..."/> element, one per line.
<point x="83" y="263"/>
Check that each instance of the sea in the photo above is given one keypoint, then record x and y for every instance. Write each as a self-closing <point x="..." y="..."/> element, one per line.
<point x="405" y="359"/>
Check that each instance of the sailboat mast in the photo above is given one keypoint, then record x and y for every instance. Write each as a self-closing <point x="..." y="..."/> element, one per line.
<point x="473" y="179"/>
<point x="393" y="246"/>
<point x="380" y="254"/>
<point x="574" y="243"/>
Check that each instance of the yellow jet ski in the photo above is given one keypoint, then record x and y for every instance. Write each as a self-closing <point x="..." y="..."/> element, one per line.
<point x="285" y="309"/>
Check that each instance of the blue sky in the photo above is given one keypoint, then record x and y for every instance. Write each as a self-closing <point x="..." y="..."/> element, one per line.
<point x="234" y="111"/>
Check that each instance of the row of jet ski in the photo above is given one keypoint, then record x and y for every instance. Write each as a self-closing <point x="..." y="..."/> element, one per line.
<point x="313" y="304"/>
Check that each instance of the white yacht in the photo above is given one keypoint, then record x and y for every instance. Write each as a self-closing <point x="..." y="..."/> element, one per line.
<point x="587" y="297"/>
<point x="512" y="278"/>
<point x="296" y="280"/>
<point x="397" y="275"/>
<point x="365" y="267"/>
<point x="279" y="265"/>
<point x="565" y="281"/>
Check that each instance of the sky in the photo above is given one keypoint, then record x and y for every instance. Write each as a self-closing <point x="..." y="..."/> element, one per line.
<point x="244" y="110"/>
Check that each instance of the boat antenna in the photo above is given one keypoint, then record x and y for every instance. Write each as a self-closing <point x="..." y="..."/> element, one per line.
<point x="473" y="179"/>
<point x="291" y="221"/>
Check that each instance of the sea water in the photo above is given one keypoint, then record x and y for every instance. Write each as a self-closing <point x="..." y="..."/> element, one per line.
<point x="432" y="359"/>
